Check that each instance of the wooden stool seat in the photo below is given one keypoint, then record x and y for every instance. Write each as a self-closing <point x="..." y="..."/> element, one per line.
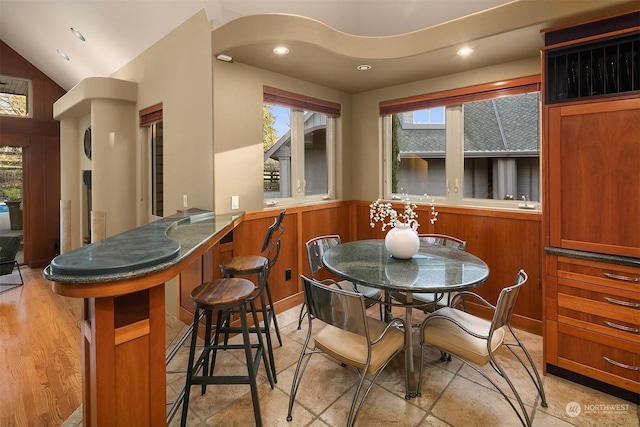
<point x="224" y="296"/>
<point x="243" y="264"/>
<point x="222" y="293"/>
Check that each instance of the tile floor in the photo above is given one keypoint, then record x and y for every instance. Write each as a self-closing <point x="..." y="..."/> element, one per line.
<point x="452" y="394"/>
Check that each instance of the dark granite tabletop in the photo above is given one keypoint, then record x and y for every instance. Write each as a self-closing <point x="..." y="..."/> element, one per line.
<point x="434" y="268"/>
<point x="144" y="250"/>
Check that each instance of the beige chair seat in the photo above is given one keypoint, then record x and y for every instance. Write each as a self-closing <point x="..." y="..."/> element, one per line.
<point x="351" y="349"/>
<point x="448" y="336"/>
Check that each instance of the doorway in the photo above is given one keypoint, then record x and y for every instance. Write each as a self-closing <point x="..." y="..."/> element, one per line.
<point x="11" y="195"/>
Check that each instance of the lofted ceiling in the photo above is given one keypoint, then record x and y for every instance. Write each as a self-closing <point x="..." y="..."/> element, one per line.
<point x="402" y="40"/>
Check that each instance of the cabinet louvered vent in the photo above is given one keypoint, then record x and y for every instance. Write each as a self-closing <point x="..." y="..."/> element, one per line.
<point x="600" y="69"/>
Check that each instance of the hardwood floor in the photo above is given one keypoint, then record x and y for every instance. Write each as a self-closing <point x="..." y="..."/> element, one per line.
<point x="40" y="370"/>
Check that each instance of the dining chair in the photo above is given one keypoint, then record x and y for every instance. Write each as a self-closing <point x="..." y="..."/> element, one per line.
<point x="9" y="247"/>
<point x="475" y="341"/>
<point x="316" y="248"/>
<point x="350" y="337"/>
<point x="428" y="302"/>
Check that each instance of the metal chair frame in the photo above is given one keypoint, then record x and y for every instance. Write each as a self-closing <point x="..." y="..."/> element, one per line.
<point x="501" y="317"/>
<point x="272" y="246"/>
<point x="315" y="250"/>
<point x="346" y="310"/>
<point x="9" y="246"/>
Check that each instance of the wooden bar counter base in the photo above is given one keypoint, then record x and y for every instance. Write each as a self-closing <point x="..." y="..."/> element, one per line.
<point x="121" y="280"/>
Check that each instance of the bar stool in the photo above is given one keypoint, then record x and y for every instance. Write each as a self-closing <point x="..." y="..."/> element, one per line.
<point x="248" y="265"/>
<point x="223" y="295"/>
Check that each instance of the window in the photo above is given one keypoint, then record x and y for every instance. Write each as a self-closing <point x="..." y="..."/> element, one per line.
<point x="502" y="148"/>
<point x="487" y="146"/>
<point x="151" y="118"/>
<point x="298" y="141"/>
<point x="429" y="116"/>
<point x="14" y="96"/>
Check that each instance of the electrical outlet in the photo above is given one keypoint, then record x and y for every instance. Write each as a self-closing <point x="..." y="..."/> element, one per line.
<point x="184" y="201"/>
<point x="287" y="274"/>
<point x="235" y="202"/>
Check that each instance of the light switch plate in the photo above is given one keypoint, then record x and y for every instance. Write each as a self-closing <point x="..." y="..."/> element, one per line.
<point x="235" y="202"/>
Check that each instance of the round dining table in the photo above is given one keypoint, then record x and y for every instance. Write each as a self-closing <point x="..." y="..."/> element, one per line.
<point x="434" y="269"/>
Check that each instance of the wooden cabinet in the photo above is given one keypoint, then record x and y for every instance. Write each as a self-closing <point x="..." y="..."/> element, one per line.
<point x="591" y="200"/>
<point x="594" y="176"/>
<point x="594" y="320"/>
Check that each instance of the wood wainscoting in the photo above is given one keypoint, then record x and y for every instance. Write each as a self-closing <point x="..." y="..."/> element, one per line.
<point x="506" y="240"/>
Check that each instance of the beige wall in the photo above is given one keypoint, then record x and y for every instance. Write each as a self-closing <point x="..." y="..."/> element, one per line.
<point x="113" y="164"/>
<point x="177" y="72"/>
<point x="237" y="130"/>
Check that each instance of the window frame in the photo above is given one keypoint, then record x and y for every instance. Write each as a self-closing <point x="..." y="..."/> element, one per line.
<point x="453" y="101"/>
<point x="298" y="104"/>
<point x="28" y="95"/>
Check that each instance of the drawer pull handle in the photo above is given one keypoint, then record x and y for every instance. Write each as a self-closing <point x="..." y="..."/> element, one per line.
<point x="621" y="365"/>
<point x="619" y="277"/>
<point x="624" y="303"/>
<point x="621" y="327"/>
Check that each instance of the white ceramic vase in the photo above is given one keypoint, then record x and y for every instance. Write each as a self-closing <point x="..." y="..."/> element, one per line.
<point x="402" y="240"/>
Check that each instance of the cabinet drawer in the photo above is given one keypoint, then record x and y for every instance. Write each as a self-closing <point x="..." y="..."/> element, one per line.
<point x="619" y="277"/>
<point x="591" y="295"/>
<point x="598" y="321"/>
<point x="607" y="359"/>
<point x="598" y="305"/>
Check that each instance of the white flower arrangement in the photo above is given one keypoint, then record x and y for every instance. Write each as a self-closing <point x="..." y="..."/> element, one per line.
<point x="380" y="211"/>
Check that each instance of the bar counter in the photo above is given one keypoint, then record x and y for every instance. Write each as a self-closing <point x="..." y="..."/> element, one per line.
<point x="121" y="280"/>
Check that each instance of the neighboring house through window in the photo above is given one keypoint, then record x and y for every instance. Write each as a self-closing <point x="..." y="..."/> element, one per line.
<point x="298" y="142"/>
<point x="487" y="147"/>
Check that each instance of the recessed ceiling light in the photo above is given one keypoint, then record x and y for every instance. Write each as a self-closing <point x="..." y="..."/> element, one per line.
<point x="364" y="67"/>
<point x="225" y="58"/>
<point x="465" y="51"/>
<point x="281" y="50"/>
<point x="64" y="55"/>
<point x="77" y="33"/>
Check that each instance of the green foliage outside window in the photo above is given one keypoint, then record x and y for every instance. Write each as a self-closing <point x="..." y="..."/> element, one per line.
<point x="395" y="151"/>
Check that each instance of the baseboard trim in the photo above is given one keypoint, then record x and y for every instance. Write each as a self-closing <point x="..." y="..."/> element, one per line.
<point x="627" y="395"/>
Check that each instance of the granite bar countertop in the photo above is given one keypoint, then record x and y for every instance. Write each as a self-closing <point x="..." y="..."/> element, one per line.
<point x="593" y="256"/>
<point x="144" y="250"/>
